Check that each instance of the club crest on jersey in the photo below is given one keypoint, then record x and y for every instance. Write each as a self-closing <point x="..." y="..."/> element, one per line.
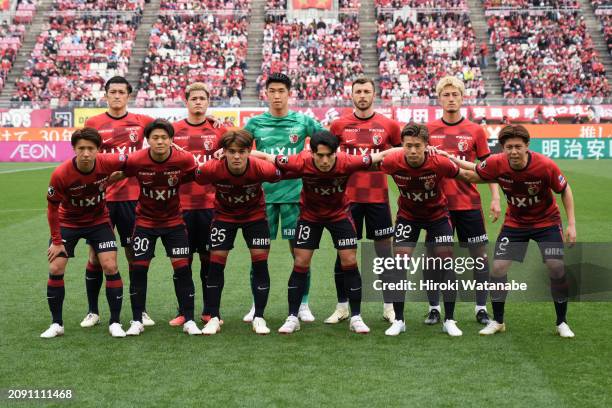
<point x="133" y="136"/>
<point x="173" y="180"/>
<point x="533" y="190"/>
<point x="294" y="138"/>
<point x="377" y="139"/>
<point x="51" y="191"/>
<point x="208" y="145"/>
<point x="462" y="146"/>
<point x="430" y="184"/>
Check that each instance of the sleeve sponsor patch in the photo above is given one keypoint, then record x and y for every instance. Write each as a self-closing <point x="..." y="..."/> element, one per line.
<point x="51" y="191"/>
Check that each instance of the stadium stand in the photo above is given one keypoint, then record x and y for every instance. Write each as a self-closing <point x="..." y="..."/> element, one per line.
<point x="77" y="50"/>
<point x="603" y="8"/>
<point x="322" y="57"/>
<point x="205" y="5"/>
<point x="416" y="50"/>
<point x="191" y="47"/>
<point x="546" y="55"/>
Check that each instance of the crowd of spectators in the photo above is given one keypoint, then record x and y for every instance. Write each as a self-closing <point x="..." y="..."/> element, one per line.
<point x="321" y="57"/>
<point x="545" y="56"/>
<point x="414" y="55"/>
<point x="186" y="48"/>
<point x="98" y="5"/>
<point x="524" y="4"/>
<point x="11" y="38"/>
<point x="74" y="54"/>
<point x="205" y="5"/>
<point x="422" y="4"/>
<point x="604" y="9"/>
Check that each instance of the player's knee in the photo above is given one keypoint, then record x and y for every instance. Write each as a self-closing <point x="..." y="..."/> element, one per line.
<point x="349" y="258"/>
<point x="556" y="268"/>
<point x="109" y="267"/>
<point x="56" y="269"/>
<point x="259" y="256"/>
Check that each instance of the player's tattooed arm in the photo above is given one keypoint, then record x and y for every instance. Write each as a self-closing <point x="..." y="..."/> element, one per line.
<point x="469" y="176"/>
<point x="116" y="176"/>
<point x="568" y="203"/>
<point x="264" y="156"/>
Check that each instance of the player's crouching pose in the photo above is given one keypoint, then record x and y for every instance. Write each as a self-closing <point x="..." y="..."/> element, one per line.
<point x="528" y="180"/>
<point x="422" y="205"/>
<point x="159" y="170"/>
<point x="239" y="204"/>
<point x="323" y="205"/>
<point x="77" y="209"/>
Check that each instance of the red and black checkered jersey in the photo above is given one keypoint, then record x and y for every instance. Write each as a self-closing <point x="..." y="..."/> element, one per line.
<point x="82" y="196"/>
<point x="468" y="141"/>
<point x="123" y="135"/>
<point x="238" y="198"/>
<point x="529" y="191"/>
<point x="159" y="203"/>
<point x="202" y="141"/>
<point x="421" y="195"/>
<point x="366" y="136"/>
<point x="323" y="197"/>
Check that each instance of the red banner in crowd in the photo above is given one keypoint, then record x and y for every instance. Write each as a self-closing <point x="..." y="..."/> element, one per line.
<point x="308" y="4"/>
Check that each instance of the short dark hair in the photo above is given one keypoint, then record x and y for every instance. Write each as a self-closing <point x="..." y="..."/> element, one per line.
<point x="87" y="133"/>
<point x="159" y="124"/>
<point x="118" y="80"/>
<point x="325" y="138"/>
<point x="513" y="131"/>
<point x="278" y="77"/>
<point x="416" y="130"/>
<point x="241" y="137"/>
<point x="363" y="80"/>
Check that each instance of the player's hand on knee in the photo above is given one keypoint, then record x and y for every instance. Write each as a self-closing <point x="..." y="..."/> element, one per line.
<point x="570" y="235"/>
<point x="54" y="251"/>
<point x="495" y="210"/>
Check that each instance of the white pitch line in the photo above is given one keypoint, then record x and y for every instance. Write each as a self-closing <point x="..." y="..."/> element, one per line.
<point x="27" y="169"/>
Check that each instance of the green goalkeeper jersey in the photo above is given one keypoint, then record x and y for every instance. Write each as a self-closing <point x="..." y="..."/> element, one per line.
<point x="285" y="135"/>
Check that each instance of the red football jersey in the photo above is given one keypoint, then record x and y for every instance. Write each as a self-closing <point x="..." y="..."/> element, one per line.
<point x="366" y="136"/>
<point x="531" y="203"/>
<point x="468" y="141"/>
<point x="159" y="204"/>
<point x="323" y="197"/>
<point x="238" y="198"/>
<point x="421" y="195"/>
<point x="202" y="141"/>
<point x="81" y="196"/>
<point x="122" y="135"/>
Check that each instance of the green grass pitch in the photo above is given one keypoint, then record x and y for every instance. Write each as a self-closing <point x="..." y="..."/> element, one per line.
<point x="319" y="366"/>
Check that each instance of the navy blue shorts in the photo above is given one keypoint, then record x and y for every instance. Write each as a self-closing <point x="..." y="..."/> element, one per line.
<point x="470" y="227"/>
<point x="100" y="237"/>
<point x="512" y="243"/>
<point x="123" y="217"/>
<point x="174" y="240"/>
<point x="308" y="234"/>
<point x="439" y="232"/>
<point x="378" y="222"/>
<point x="223" y="234"/>
<point x="198" y="229"/>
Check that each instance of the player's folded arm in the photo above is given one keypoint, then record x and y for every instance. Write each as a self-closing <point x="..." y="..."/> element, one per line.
<point x="262" y="155"/>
